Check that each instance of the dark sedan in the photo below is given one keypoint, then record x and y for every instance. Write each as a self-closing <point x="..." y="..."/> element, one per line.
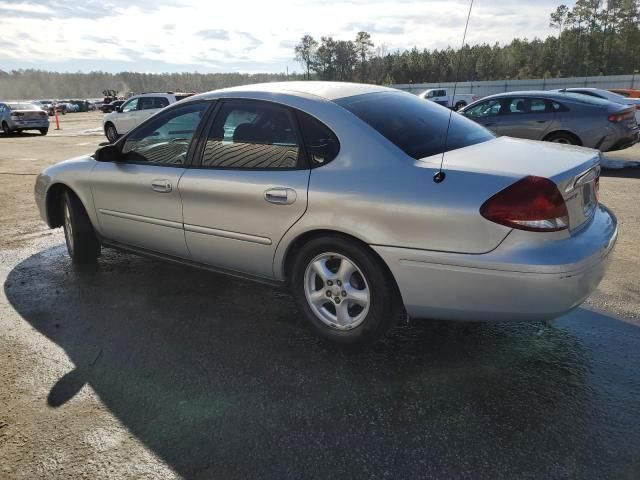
<point x="110" y="107"/>
<point x="560" y="117"/>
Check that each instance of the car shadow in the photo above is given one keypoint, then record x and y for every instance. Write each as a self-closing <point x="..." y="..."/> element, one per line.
<point x="625" y="172"/>
<point x="223" y="378"/>
<point x="21" y="134"/>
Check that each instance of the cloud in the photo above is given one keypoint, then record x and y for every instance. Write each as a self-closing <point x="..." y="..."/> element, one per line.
<point x="214" y="34"/>
<point x="48" y="9"/>
<point x="102" y="40"/>
<point x="253" y="41"/>
<point x="374" y="28"/>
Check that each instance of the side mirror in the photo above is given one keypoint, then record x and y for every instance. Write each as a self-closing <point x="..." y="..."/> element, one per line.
<point x="108" y="153"/>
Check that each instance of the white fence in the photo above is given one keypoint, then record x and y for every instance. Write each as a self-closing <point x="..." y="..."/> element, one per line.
<point x="490" y="87"/>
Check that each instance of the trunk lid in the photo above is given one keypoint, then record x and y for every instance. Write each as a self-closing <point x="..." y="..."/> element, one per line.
<point x="574" y="170"/>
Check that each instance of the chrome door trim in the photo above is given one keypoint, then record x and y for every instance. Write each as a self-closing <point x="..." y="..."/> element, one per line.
<point x="141" y="218"/>
<point x="227" y="234"/>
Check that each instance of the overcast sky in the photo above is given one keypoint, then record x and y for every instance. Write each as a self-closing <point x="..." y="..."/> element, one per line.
<point x="240" y="35"/>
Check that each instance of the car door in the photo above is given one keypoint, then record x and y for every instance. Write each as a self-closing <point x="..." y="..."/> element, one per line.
<point x="149" y="106"/>
<point x="125" y="117"/>
<point x="137" y="199"/>
<point x="440" y="97"/>
<point x="248" y="189"/>
<point x="527" y="117"/>
<point x="487" y="114"/>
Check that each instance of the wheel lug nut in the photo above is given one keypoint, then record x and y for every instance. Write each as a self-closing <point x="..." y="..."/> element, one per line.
<point x="328" y="293"/>
<point x="344" y="294"/>
<point x="339" y="283"/>
<point x="338" y="300"/>
<point x="329" y="282"/>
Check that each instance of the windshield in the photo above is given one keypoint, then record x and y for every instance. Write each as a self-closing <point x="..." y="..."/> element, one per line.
<point x="23" y="106"/>
<point x="416" y="126"/>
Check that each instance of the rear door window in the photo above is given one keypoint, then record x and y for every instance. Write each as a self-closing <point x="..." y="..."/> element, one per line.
<point x="249" y="134"/>
<point x="417" y="127"/>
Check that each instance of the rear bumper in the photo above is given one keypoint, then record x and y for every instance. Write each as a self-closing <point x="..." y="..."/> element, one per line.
<point x="517" y="281"/>
<point x="28" y="125"/>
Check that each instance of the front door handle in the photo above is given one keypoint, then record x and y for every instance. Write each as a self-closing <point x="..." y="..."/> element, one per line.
<point x="161" y="185"/>
<point x="542" y="121"/>
<point x="280" y="195"/>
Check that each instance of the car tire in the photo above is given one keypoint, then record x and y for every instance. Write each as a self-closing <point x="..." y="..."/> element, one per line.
<point x="353" y="300"/>
<point x="564" y="138"/>
<point x="460" y="105"/>
<point x="44" y="131"/>
<point x="82" y="242"/>
<point x="110" y="132"/>
<point x="5" y="128"/>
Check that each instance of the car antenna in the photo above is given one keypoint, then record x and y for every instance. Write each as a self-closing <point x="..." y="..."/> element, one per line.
<point x="440" y="175"/>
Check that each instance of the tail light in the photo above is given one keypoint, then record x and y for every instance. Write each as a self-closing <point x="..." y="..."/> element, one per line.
<point x="532" y="203"/>
<point x="619" y="117"/>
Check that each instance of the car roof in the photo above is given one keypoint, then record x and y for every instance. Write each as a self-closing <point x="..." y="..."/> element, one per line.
<point x="529" y="93"/>
<point x="326" y="90"/>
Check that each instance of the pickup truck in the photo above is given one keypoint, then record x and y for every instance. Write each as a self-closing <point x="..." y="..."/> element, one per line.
<point x="441" y="96"/>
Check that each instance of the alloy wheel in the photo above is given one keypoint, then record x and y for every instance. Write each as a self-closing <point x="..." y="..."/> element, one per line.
<point x="337" y="291"/>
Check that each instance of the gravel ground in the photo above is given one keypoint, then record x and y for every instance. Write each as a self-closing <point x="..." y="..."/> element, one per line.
<point x="140" y="369"/>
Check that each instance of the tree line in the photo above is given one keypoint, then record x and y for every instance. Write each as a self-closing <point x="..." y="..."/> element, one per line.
<point x="594" y="37"/>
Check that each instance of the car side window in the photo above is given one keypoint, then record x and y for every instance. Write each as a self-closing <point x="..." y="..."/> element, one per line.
<point x="321" y="143"/>
<point x="165" y="140"/>
<point x="147" y="103"/>
<point x="130" y="105"/>
<point x="484" y="109"/>
<point x="160" y="102"/>
<point x="252" y="135"/>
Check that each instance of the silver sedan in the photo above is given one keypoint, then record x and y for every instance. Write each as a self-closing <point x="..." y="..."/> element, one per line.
<point x="357" y="197"/>
<point x="20" y="116"/>
<point x="558" y="116"/>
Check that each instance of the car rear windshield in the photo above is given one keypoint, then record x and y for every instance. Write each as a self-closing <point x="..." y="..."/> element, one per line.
<point x="581" y="97"/>
<point x="417" y="126"/>
<point x="23" y="106"/>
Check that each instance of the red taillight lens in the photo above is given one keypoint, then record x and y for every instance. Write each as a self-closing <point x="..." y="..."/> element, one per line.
<point x="619" y="117"/>
<point x="533" y="203"/>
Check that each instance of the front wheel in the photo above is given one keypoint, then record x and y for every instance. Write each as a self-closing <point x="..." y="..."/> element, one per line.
<point x="110" y="132"/>
<point x="82" y="243"/>
<point x="5" y="128"/>
<point x="44" y="131"/>
<point x="344" y="290"/>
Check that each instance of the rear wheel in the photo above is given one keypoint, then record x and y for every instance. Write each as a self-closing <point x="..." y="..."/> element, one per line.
<point x="44" y="131"/>
<point x="82" y="243"/>
<point x="344" y="290"/>
<point x="111" y="132"/>
<point x="563" y="138"/>
<point x="5" y="128"/>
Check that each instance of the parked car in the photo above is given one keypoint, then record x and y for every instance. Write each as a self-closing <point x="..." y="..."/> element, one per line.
<point x="21" y="116"/>
<point x="612" y="97"/>
<point x="560" y="117"/>
<point x="442" y="97"/>
<point x="111" y="107"/>
<point x="626" y="92"/>
<point x="136" y="110"/>
<point x="327" y="187"/>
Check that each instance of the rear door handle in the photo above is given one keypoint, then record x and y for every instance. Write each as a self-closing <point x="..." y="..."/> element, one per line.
<point x="161" y="185"/>
<point x="542" y="121"/>
<point x="280" y="195"/>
